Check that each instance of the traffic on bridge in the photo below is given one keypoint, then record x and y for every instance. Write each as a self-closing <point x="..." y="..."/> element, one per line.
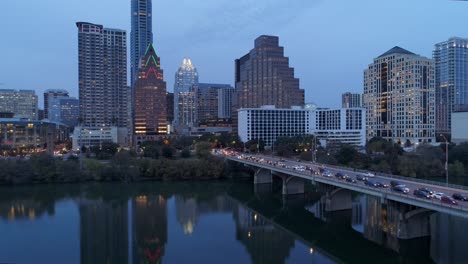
<point x="429" y="195"/>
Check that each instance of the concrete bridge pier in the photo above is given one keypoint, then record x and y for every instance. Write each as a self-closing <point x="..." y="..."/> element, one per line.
<point x="263" y="176"/>
<point x="292" y="184"/>
<point x="414" y="224"/>
<point x="338" y="199"/>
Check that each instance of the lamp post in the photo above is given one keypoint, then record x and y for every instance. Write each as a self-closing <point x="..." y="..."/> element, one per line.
<point x="314" y="151"/>
<point x="446" y="158"/>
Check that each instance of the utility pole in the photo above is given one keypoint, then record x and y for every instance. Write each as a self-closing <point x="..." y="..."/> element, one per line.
<point x="446" y="159"/>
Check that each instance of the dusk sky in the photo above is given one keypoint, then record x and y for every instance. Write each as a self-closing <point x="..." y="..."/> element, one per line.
<point x="329" y="43"/>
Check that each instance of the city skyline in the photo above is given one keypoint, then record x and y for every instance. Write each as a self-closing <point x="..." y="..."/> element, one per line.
<point x="314" y="66"/>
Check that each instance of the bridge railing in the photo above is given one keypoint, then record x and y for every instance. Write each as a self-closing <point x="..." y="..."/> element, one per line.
<point x="403" y="178"/>
<point x="313" y="177"/>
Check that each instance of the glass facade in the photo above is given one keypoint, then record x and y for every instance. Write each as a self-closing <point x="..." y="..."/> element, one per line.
<point x="141" y="35"/>
<point x="69" y="111"/>
<point x="451" y="63"/>
<point x="186" y="78"/>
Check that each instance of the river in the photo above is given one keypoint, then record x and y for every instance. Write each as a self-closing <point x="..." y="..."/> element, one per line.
<point x="211" y="222"/>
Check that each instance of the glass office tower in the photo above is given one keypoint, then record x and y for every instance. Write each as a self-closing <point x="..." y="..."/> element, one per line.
<point x="141" y="35"/>
<point x="451" y="65"/>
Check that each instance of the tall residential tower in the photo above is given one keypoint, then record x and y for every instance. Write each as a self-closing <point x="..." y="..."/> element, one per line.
<point x="141" y="35"/>
<point x="399" y="95"/>
<point x="102" y="74"/>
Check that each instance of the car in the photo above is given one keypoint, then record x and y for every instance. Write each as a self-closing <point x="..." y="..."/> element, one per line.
<point x="448" y="200"/>
<point x="341" y="176"/>
<point x="438" y="195"/>
<point x="401" y="189"/>
<point x="382" y="185"/>
<point x="460" y="196"/>
<point x="327" y="174"/>
<point x="361" y="178"/>
<point x="371" y="183"/>
<point x="395" y="183"/>
<point x="421" y="194"/>
<point x="351" y="180"/>
<point x="429" y="191"/>
<point x="369" y="174"/>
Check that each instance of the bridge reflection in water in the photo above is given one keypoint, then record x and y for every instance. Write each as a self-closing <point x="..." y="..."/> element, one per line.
<point x="122" y="226"/>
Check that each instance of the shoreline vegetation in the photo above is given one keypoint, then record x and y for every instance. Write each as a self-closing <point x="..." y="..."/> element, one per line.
<point x="123" y="167"/>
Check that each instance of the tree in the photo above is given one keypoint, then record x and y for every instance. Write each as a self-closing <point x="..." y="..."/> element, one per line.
<point x="150" y="149"/>
<point x="167" y="152"/>
<point x="203" y="150"/>
<point x="185" y="153"/>
<point x="346" y="154"/>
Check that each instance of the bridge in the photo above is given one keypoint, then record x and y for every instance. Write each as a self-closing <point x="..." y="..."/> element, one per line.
<point x="338" y="192"/>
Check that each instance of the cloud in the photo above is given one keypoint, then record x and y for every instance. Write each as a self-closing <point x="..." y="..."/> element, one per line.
<point x="221" y="19"/>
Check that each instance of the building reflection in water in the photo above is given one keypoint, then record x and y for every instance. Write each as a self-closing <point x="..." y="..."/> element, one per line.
<point x="264" y="242"/>
<point x="188" y="210"/>
<point x="449" y="237"/>
<point x="149" y="228"/>
<point x="24" y="210"/>
<point x="103" y="231"/>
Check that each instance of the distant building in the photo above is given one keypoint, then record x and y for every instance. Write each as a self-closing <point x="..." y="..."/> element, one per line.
<point x="52" y="104"/>
<point x="40" y="114"/>
<point x="268" y="123"/>
<point x="25" y="133"/>
<point x="22" y="103"/>
<point x="459" y="128"/>
<point x="263" y="77"/>
<point x="351" y="100"/>
<point x="184" y="96"/>
<point x="150" y="113"/>
<point x="69" y="111"/>
<point x="141" y="35"/>
<point x="399" y="95"/>
<point x="170" y="107"/>
<point x="213" y="101"/>
<point x="451" y="81"/>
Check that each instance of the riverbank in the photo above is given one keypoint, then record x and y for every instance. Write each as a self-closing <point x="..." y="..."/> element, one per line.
<point x="123" y="167"/>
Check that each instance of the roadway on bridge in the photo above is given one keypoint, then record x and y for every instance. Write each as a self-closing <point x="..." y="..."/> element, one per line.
<point x="412" y="185"/>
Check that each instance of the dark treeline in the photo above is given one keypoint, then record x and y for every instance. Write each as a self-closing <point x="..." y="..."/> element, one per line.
<point x="425" y="162"/>
<point x="123" y="166"/>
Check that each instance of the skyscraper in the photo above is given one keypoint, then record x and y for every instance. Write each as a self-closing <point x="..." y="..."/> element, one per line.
<point x="399" y="95"/>
<point x="141" y="34"/>
<point x="263" y="77"/>
<point x="451" y="81"/>
<point x="184" y="96"/>
<point x="150" y="114"/>
<point x="51" y="101"/>
<point x="350" y="100"/>
<point x="20" y="103"/>
<point x="102" y="75"/>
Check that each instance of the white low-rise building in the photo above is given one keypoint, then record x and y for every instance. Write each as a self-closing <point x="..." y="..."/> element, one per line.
<point x="342" y="125"/>
<point x="95" y="136"/>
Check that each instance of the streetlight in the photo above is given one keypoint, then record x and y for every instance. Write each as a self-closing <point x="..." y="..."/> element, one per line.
<point x="446" y="158"/>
